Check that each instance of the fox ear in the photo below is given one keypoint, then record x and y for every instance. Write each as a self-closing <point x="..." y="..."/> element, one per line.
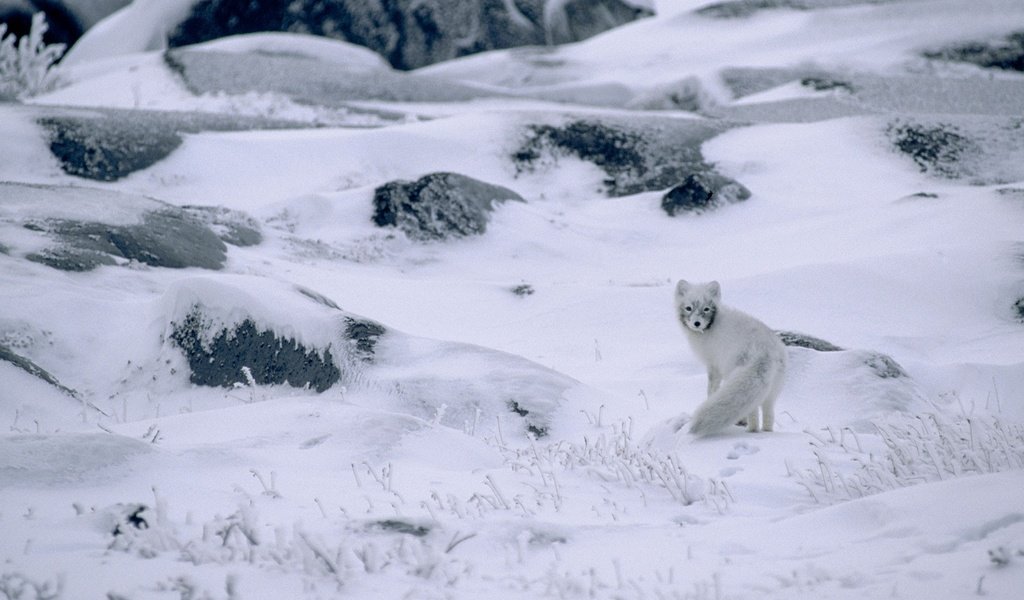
<point x="715" y="290"/>
<point x="683" y="287"/>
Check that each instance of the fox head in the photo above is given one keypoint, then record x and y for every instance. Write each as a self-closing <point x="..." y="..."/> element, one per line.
<point x="697" y="304"/>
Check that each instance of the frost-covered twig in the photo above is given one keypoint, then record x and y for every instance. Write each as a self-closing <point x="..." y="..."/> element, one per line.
<point x="26" y="64"/>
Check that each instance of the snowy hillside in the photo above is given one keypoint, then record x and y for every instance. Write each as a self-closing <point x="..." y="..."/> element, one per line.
<point x="278" y="320"/>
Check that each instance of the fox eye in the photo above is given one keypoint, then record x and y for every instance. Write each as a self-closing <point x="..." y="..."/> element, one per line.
<point x="688" y="308"/>
<point x="707" y="309"/>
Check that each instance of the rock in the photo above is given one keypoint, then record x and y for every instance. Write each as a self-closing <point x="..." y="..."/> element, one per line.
<point x="880" y="365"/>
<point x="1018" y="309"/>
<point x="107" y="150"/>
<point x="702" y="192"/>
<point x="84" y="228"/>
<point x="108" y="145"/>
<point x="218" y="356"/>
<point x="167" y="238"/>
<point x="802" y="340"/>
<point x="6" y="354"/>
<point x="883" y="366"/>
<point x="637" y="156"/>
<point x="1006" y="54"/>
<point x="364" y="335"/>
<point x="308" y="81"/>
<point x="410" y="33"/>
<point x="438" y="206"/>
<point x="231" y="226"/>
<point x="734" y="9"/>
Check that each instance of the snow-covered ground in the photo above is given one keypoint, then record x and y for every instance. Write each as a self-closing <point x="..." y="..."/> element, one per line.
<point x="508" y="438"/>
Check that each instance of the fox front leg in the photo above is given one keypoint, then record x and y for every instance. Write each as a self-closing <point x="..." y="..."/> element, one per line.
<point x="714" y="381"/>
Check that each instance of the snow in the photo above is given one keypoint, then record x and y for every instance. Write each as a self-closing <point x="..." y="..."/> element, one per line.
<point x="415" y="476"/>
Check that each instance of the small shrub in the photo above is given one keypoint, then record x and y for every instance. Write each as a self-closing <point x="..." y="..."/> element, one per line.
<point x="26" y="64"/>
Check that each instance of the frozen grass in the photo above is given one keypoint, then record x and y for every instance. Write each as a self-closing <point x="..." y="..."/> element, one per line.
<point x="907" y="450"/>
<point x="26" y="64"/>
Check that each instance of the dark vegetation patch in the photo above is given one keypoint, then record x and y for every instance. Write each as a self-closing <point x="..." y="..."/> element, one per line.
<point x="523" y="290"/>
<point x="936" y="149"/>
<point x="438" y="206"/>
<point x="216" y="358"/>
<point x="400" y="526"/>
<point x="1006" y="54"/>
<point x="1018" y="309"/>
<point x="538" y="431"/>
<point x="885" y="367"/>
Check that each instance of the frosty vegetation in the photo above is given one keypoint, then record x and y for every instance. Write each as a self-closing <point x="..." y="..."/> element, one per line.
<point x="27" y="64"/>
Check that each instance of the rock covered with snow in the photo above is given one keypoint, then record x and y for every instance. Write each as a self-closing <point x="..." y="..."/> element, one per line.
<point x="107" y="145"/>
<point x="637" y="155"/>
<point x="438" y="206"/>
<point x="235" y="331"/>
<point x="702" y="192"/>
<point x="411" y="34"/>
<point x="79" y="229"/>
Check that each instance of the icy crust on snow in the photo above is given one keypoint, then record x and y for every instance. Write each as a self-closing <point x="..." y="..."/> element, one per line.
<point x="467" y="387"/>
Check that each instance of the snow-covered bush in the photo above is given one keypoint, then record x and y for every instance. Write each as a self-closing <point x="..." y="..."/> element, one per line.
<point x="26" y="64"/>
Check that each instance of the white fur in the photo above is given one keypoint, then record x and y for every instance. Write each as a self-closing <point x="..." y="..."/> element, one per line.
<point x="745" y="359"/>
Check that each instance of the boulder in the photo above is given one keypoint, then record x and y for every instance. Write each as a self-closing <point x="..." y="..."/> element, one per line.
<point x="245" y="353"/>
<point x="411" y="33"/>
<point x="638" y="155"/>
<point x="438" y="206"/>
<point x="108" y="145"/>
<point x="702" y="192"/>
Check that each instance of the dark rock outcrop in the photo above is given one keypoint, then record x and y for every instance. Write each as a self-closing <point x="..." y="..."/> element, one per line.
<point x="438" y="206"/>
<point x="1018" y="309"/>
<point x="81" y="228"/>
<point x="1006" y="54"/>
<point x="363" y="335"/>
<point x="636" y="156"/>
<point x="733" y="9"/>
<point x="107" y="145"/>
<point x="702" y="192"/>
<point x="217" y="358"/>
<point x="410" y="33"/>
<point x="167" y="238"/>
<point x="881" y="365"/>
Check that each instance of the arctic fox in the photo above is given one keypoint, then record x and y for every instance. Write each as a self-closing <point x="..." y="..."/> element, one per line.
<point x="746" y="361"/>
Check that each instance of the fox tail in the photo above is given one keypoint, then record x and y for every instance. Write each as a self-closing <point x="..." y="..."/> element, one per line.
<point x="737" y="397"/>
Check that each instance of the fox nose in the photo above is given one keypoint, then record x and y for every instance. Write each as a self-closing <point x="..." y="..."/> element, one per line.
<point x="696" y="324"/>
